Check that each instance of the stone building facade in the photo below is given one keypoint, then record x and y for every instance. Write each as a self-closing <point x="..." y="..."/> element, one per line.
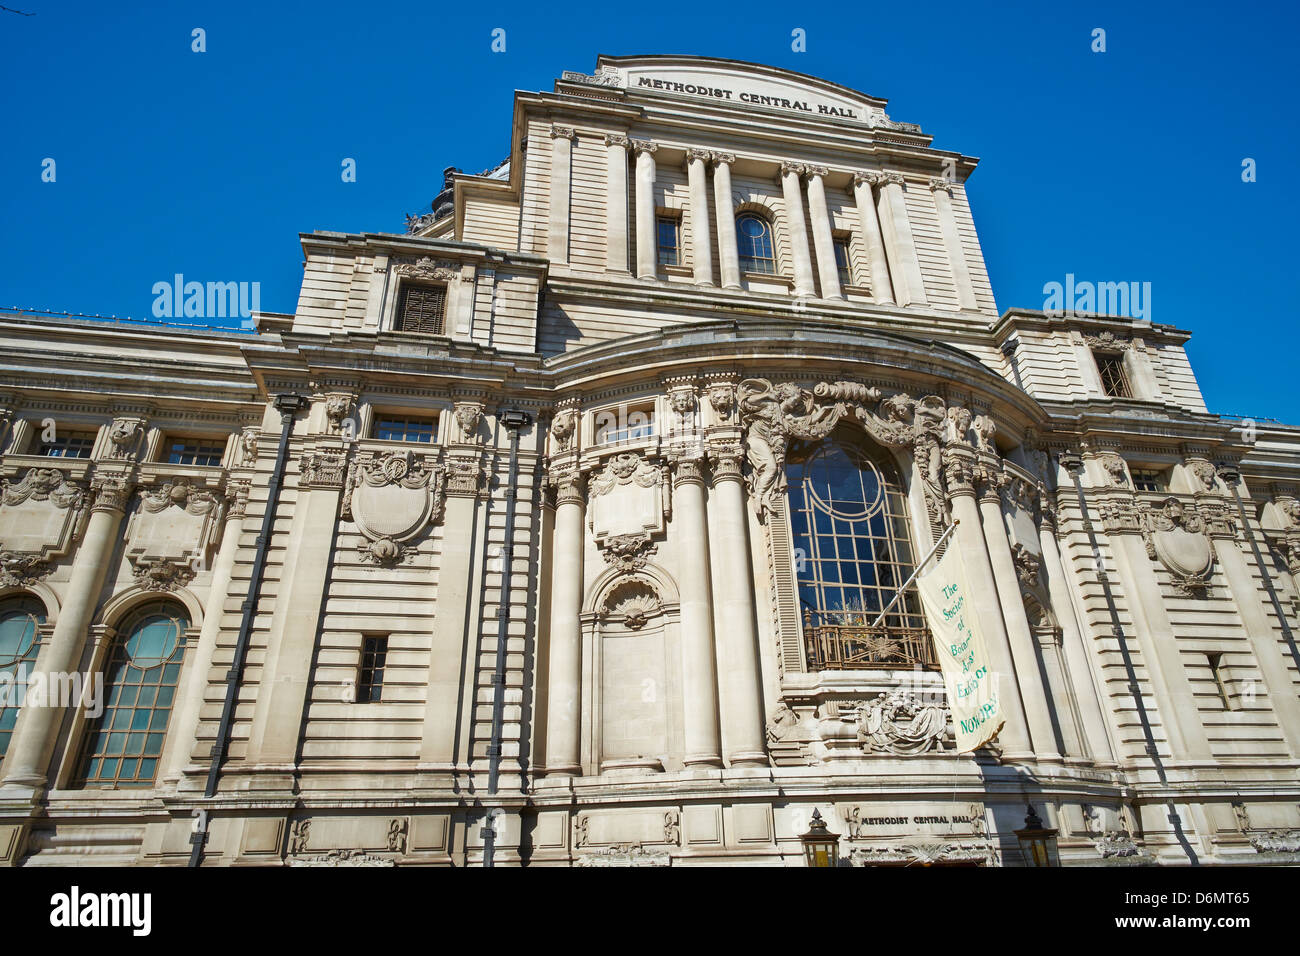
<point x="563" y="521"/>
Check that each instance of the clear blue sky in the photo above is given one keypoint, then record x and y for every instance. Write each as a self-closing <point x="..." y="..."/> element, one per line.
<point x="1123" y="165"/>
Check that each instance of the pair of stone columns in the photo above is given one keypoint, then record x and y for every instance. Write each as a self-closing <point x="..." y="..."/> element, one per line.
<point x="697" y="162"/>
<point x="700" y="581"/>
<point x="887" y="232"/>
<point x="823" y="238"/>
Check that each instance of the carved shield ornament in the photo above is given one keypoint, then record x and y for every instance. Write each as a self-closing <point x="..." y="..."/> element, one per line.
<point x="394" y="496"/>
<point x="1179" y="541"/>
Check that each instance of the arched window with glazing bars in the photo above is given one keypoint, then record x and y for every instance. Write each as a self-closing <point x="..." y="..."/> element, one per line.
<point x="141" y="672"/>
<point x="20" y="617"/>
<point x="754" y="243"/>
<point x="853" y="551"/>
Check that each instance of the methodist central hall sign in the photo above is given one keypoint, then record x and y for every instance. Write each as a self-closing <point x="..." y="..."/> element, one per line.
<point x="745" y="96"/>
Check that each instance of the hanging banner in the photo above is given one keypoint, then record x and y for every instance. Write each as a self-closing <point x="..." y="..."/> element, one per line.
<point x="970" y="680"/>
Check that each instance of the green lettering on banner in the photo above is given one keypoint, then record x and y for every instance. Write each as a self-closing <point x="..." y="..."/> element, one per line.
<point x="963" y="658"/>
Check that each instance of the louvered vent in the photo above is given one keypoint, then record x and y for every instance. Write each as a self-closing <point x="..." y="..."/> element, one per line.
<point x="422" y="308"/>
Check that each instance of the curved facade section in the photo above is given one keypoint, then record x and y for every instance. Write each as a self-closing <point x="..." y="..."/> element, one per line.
<point x="593" y="499"/>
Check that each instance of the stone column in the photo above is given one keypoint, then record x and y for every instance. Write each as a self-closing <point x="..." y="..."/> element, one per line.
<point x="15" y="441"/>
<point x="557" y="230"/>
<point x="823" y="238"/>
<point x="881" y="285"/>
<point x="697" y="176"/>
<point x="909" y="288"/>
<point x="734" y="585"/>
<point x="564" y="692"/>
<point x="1074" y="645"/>
<point x="959" y="463"/>
<point x="616" y="145"/>
<point x="1161" y="657"/>
<point x="274" y="734"/>
<point x="725" y="211"/>
<point x="798" y="225"/>
<point x="1259" y="628"/>
<point x="942" y="190"/>
<point x="183" y="729"/>
<point x="647" y="249"/>
<point x="699" y="676"/>
<point x="28" y="758"/>
<point x="1024" y="646"/>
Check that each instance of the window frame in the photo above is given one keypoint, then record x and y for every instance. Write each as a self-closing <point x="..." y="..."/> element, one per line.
<point x="89" y="436"/>
<point x="169" y="443"/>
<point x="747" y="262"/>
<point x="380" y="419"/>
<point x="623" y="432"/>
<point x="404" y="290"/>
<point x="675" y="221"/>
<point x="1158" y="477"/>
<point x="845" y="268"/>
<point x="840" y="636"/>
<point x="101" y="730"/>
<point x="373" y="659"/>
<point x="21" y="665"/>
<point x="1106" y="360"/>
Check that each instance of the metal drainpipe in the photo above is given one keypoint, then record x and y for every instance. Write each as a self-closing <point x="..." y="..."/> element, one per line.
<point x="288" y="404"/>
<point x="514" y="420"/>
<point x="1073" y="464"/>
<point x="1232" y="477"/>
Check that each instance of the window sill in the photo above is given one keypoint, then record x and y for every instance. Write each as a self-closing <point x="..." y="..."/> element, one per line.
<point x="677" y="270"/>
<point x="774" y="277"/>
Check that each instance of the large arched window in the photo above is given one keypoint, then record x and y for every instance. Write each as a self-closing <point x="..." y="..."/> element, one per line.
<point x="140" y="676"/>
<point x="754" y="242"/>
<point x="852" y="552"/>
<point x="19" y="619"/>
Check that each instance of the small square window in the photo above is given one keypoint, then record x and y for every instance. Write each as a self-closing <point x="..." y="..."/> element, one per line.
<point x="624" y="423"/>
<point x="669" y="230"/>
<point x="194" y="451"/>
<point x="422" y="308"/>
<point x="68" y="444"/>
<point x="842" y="261"/>
<point x="370" y="677"/>
<point x="1150" y="479"/>
<point x="421" y="430"/>
<point x="1114" y="379"/>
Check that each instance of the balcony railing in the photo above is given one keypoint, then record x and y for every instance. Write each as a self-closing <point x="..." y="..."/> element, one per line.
<point x="838" y="646"/>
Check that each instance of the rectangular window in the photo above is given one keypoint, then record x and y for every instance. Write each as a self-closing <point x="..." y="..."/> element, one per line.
<point x="1114" y="380"/>
<point x="68" y="444"/>
<point x="370" y="678"/>
<point x="422" y="430"/>
<point x="194" y="451"/>
<point x="1217" y="669"/>
<point x="842" y="262"/>
<point x="669" y="229"/>
<point x="422" y="308"/>
<point x="1150" y="479"/>
<point x="625" y="423"/>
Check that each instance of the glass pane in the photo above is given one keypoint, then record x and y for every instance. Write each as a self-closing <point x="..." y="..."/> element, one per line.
<point x="139" y="698"/>
<point x="849" y="520"/>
